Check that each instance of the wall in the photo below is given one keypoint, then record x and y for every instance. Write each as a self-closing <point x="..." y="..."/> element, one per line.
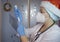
<point x="8" y="32"/>
<point x="0" y="20"/>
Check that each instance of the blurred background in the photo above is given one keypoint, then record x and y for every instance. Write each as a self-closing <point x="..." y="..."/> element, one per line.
<point x="8" y="21"/>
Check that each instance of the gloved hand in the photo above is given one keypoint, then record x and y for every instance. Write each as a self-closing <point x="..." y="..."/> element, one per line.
<point x="20" y="29"/>
<point x="17" y="13"/>
<point x="18" y="16"/>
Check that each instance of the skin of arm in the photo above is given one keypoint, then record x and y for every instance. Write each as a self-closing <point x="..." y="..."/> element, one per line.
<point x="24" y="39"/>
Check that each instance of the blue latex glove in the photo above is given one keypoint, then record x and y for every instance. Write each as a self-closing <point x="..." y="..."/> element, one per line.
<point x="18" y="14"/>
<point x="20" y="29"/>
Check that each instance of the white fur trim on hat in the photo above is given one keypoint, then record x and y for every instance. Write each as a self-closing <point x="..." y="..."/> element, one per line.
<point x="51" y="7"/>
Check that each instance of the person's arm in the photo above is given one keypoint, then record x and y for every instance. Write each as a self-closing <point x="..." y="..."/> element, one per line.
<point x="24" y="39"/>
<point x="20" y="29"/>
<point x="21" y="33"/>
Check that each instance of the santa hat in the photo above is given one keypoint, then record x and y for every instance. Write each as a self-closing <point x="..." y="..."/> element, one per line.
<point x="52" y="5"/>
<point x="56" y="3"/>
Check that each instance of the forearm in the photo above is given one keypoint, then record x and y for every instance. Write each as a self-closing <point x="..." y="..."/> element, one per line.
<point x="24" y="39"/>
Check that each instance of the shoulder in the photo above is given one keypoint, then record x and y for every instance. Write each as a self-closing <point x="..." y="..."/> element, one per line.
<point x="52" y="34"/>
